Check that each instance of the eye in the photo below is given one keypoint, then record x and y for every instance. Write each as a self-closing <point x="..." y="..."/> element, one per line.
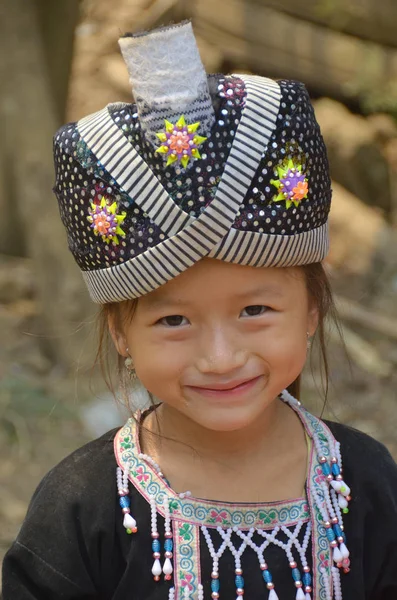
<point x="173" y="321"/>
<point x="254" y="310"/>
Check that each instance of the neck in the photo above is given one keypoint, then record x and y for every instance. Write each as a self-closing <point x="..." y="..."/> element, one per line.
<point x="269" y="433"/>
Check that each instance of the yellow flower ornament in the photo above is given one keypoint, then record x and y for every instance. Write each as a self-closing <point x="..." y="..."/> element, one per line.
<point x="180" y="142"/>
<point x="292" y="184"/>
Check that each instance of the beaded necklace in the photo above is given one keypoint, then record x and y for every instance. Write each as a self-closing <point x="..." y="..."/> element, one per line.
<point x="328" y="497"/>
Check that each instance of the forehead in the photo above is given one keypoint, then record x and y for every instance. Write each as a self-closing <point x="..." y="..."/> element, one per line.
<point x="211" y="278"/>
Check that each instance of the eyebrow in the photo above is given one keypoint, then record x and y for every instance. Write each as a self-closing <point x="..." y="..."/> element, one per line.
<point x="165" y="301"/>
<point x="261" y="290"/>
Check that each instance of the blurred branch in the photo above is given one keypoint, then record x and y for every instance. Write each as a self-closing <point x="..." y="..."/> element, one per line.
<point x="353" y="312"/>
<point x="362" y="353"/>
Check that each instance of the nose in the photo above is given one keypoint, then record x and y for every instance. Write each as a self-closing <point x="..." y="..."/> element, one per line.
<point x="221" y="352"/>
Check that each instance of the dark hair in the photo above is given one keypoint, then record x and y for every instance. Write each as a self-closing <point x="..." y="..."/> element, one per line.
<point x="320" y="294"/>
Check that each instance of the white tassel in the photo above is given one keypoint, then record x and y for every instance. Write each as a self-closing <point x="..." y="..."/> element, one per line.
<point x="336" y="485"/>
<point x="300" y="594"/>
<point x="344" y="489"/>
<point x="167" y="567"/>
<point x="337" y="555"/>
<point x="273" y="595"/>
<point x="307" y="596"/>
<point x="343" y="503"/>
<point x="156" y="569"/>
<point x="344" y="551"/>
<point x="129" y="522"/>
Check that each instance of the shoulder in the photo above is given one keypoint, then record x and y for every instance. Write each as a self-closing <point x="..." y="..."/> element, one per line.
<point x="357" y="442"/>
<point x="365" y="458"/>
<point x="78" y="476"/>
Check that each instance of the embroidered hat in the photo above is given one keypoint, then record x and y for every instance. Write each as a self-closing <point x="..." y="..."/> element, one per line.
<point x="229" y="167"/>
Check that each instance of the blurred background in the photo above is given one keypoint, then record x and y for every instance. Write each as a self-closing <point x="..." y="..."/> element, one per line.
<point x="59" y="62"/>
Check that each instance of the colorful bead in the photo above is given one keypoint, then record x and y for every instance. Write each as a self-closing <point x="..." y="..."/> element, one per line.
<point x="239" y="580"/>
<point x="296" y="574"/>
<point x="215" y="585"/>
<point x="337" y="530"/>
<point x="267" y="576"/>
<point x="330" y="534"/>
<point x="326" y="468"/>
<point x="168" y="545"/>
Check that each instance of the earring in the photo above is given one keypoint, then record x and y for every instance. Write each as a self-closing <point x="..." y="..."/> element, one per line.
<point x="309" y="343"/>
<point x="129" y="365"/>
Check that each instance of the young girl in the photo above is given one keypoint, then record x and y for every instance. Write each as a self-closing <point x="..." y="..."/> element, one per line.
<point x="199" y="219"/>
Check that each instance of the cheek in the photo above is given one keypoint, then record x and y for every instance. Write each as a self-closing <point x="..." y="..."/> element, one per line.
<point x="286" y="342"/>
<point x="159" y="364"/>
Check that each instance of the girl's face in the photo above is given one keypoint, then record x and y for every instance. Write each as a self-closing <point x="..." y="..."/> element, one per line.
<point x="221" y="341"/>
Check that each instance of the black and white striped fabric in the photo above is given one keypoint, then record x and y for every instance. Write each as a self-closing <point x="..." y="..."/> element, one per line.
<point x="211" y="234"/>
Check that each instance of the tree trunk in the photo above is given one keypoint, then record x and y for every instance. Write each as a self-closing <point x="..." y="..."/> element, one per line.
<point x="57" y="21"/>
<point x="30" y="121"/>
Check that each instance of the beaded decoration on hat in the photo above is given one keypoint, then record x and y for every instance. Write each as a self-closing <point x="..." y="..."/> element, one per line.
<point x="228" y="167"/>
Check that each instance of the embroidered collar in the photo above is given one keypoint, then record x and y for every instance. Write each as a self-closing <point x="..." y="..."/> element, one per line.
<point x="185" y="516"/>
<point x="146" y="479"/>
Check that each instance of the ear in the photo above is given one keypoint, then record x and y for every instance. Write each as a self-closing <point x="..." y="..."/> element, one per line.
<point x="312" y="319"/>
<point x="117" y="334"/>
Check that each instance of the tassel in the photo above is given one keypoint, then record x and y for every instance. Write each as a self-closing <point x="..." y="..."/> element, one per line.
<point x="167" y="567"/>
<point x="273" y="595"/>
<point x="156" y="569"/>
<point x="307" y="596"/>
<point x="300" y="594"/>
<point x="336" y="485"/>
<point x="344" y="551"/>
<point x="344" y="489"/>
<point x="337" y="556"/>
<point x="129" y="523"/>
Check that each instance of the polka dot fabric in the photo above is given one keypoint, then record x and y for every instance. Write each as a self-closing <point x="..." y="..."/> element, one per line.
<point x="81" y="180"/>
<point x="297" y="137"/>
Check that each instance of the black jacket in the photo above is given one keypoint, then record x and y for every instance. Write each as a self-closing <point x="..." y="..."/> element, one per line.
<point x="72" y="544"/>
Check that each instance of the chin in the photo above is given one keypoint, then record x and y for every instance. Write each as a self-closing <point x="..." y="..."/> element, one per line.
<point x="226" y="417"/>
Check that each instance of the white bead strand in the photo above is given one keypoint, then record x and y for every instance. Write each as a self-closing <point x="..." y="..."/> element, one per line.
<point x="327" y="584"/>
<point x="337" y="583"/>
<point x="296" y="574"/>
<point x="237" y="554"/>
<point x="151" y="462"/>
<point x="156" y="568"/>
<point x="129" y="522"/>
<point x="215" y="555"/>
<point x="267" y="577"/>
<point x="200" y="594"/>
<point x="302" y="549"/>
<point x="168" y="544"/>
<point x="171" y="594"/>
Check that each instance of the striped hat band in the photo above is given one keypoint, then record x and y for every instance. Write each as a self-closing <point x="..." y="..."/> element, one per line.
<point x="188" y="239"/>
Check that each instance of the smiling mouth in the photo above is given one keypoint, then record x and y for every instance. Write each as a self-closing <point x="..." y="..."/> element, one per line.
<point x="226" y="388"/>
